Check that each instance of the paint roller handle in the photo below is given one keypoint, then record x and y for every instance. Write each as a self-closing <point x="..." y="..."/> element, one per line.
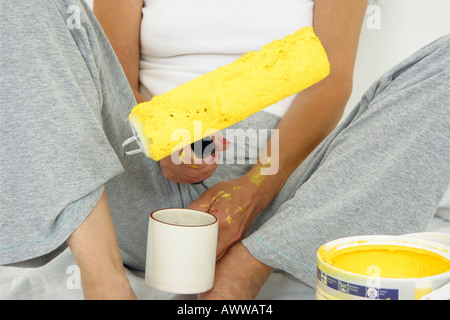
<point x="199" y="147"/>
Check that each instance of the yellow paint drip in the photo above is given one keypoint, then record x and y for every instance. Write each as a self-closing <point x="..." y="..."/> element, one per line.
<point x="255" y="177"/>
<point x="392" y="261"/>
<point x="214" y="199"/>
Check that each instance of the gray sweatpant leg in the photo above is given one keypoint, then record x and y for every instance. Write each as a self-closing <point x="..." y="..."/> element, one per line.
<point x="382" y="171"/>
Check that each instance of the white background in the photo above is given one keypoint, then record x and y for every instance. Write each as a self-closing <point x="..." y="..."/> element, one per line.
<point x="406" y="26"/>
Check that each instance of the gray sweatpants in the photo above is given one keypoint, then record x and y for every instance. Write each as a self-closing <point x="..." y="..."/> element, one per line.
<point x="382" y="171"/>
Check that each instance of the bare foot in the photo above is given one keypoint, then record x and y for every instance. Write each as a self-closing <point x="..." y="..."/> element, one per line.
<point x="239" y="276"/>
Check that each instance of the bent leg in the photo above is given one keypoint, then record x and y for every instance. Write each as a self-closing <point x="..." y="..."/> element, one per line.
<point x="382" y="171"/>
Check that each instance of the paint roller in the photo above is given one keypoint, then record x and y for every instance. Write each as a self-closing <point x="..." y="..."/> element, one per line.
<point x="227" y="95"/>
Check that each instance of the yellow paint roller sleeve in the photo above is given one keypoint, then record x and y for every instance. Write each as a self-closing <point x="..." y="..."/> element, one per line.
<point x="231" y="93"/>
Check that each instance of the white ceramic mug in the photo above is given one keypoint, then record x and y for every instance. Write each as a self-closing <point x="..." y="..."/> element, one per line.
<point x="181" y="251"/>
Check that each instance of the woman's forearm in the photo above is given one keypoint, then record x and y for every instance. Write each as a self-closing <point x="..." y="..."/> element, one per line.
<point x="312" y="116"/>
<point x="316" y="111"/>
<point x="96" y="251"/>
<point x="139" y="97"/>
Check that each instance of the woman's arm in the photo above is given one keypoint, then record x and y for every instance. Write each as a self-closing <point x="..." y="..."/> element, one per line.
<point x="312" y="116"/>
<point x="121" y="21"/>
<point x="316" y="111"/>
<point x="96" y="251"/>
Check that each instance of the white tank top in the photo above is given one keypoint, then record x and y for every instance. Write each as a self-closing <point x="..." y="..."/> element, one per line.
<point x="183" y="39"/>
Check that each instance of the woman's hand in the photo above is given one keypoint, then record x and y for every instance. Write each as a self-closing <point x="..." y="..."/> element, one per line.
<point x="183" y="166"/>
<point x="235" y="203"/>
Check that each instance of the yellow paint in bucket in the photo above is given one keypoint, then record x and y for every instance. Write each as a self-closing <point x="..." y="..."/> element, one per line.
<point x="392" y="261"/>
<point x="381" y="267"/>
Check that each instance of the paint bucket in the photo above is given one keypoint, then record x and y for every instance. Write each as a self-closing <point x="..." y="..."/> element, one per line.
<point x="382" y="267"/>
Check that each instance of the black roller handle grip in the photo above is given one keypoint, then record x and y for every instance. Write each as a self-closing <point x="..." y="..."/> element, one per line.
<point x="199" y="148"/>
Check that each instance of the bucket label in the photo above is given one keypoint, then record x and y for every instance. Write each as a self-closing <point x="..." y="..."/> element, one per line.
<point x="356" y="289"/>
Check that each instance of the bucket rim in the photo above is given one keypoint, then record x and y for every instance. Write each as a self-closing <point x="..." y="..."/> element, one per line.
<point x="405" y="241"/>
